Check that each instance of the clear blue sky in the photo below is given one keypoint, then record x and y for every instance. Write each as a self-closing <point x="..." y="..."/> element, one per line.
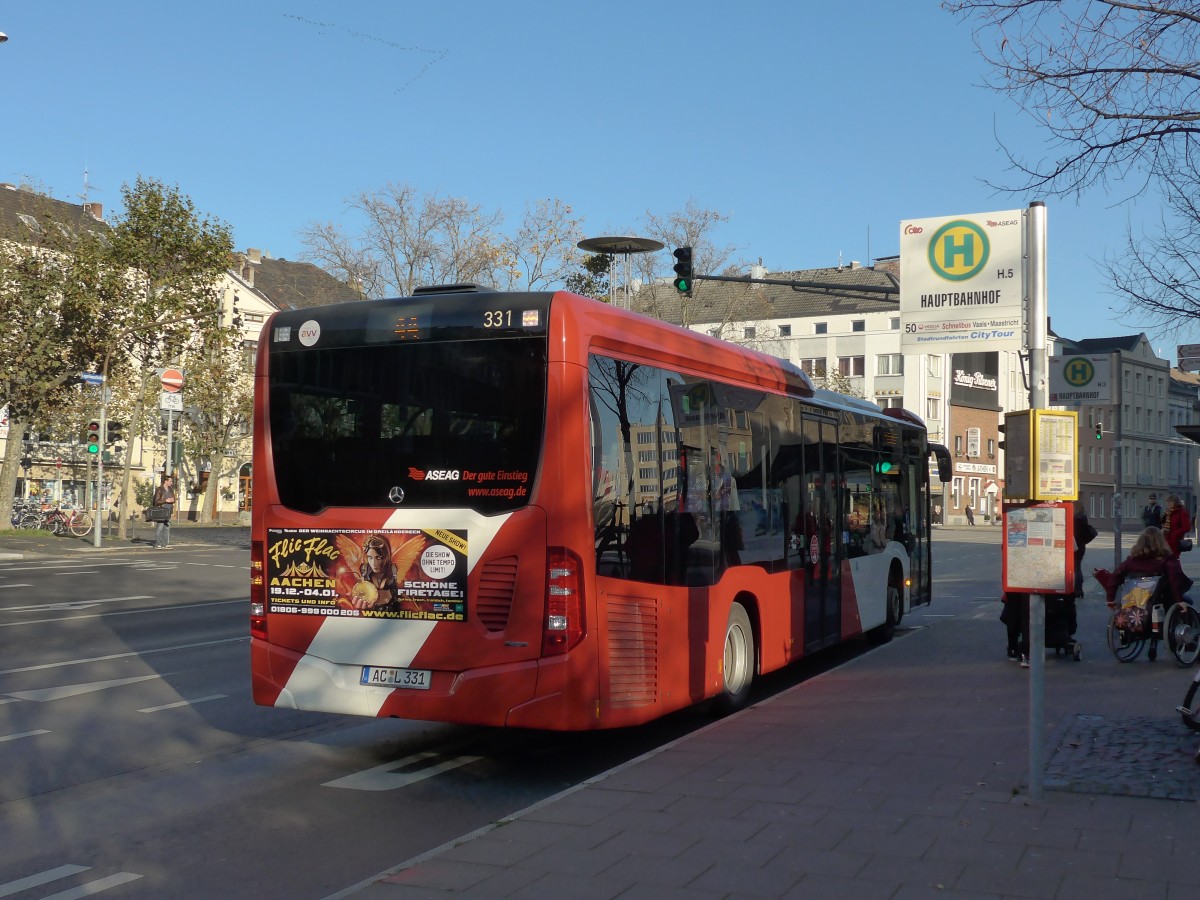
<point x="816" y="127"/>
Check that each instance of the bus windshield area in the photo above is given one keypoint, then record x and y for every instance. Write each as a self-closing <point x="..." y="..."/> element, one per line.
<point x="377" y="426"/>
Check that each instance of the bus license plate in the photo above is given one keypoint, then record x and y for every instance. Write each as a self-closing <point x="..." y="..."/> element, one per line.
<point x="417" y="679"/>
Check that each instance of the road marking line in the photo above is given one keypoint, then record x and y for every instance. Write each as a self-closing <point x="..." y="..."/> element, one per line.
<point x="22" y="734"/>
<point x="74" y="604"/>
<point x="24" y="884"/>
<point x="92" y="659"/>
<point x="119" y="612"/>
<point x="15" y="585"/>
<point x="52" y="565"/>
<point x="401" y="772"/>
<point x="95" y="887"/>
<point x="45" y="695"/>
<point x="150" y="709"/>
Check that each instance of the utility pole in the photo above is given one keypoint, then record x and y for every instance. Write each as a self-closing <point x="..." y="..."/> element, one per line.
<point x="1035" y="247"/>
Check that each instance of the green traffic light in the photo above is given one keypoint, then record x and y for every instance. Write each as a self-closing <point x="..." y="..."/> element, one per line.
<point x="93" y="448"/>
<point x="683" y="285"/>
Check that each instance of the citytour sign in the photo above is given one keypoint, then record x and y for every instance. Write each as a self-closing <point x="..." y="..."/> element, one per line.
<point x="962" y="283"/>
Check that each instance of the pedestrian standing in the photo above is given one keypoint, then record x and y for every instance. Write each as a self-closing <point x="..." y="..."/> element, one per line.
<point x="970" y="515"/>
<point x="1178" y="524"/>
<point x="164" y="496"/>
<point x="1152" y="513"/>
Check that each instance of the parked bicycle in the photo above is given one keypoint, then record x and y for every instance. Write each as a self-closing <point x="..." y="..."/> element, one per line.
<point x="76" y="521"/>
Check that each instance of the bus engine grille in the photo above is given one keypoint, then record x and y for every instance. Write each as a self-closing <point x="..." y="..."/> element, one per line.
<point x="497" y="585"/>
<point x="632" y="651"/>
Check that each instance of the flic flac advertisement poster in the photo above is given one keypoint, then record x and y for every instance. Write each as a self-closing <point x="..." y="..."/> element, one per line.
<point x="400" y="573"/>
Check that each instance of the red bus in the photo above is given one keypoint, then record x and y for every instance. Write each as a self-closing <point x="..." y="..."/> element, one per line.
<point x="542" y="511"/>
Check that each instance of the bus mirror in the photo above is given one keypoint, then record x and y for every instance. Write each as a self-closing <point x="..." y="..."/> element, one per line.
<point x="945" y="464"/>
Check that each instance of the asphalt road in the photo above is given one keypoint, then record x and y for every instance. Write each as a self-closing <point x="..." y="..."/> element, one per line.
<point x="137" y="765"/>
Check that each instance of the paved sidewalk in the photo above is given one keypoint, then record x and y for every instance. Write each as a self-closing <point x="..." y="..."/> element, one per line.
<point x="902" y="774"/>
<point x="16" y="545"/>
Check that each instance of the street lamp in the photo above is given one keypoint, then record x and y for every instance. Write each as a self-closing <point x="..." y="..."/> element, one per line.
<point x="3" y="37"/>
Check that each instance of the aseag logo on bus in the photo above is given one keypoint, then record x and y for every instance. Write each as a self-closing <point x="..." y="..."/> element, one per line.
<point x="959" y="250"/>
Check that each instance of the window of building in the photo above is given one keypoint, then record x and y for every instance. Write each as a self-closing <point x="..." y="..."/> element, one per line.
<point x="858" y="325"/>
<point x="785" y="330"/>
<point x="748" y="332"/>
<point x="991" y="445"/>
<point x="933" y="407"/>
<point x="895" y="323"/>
<point x="852" y="366"/>
<point x="958" y="444"/>
<point x="889" y="364"/>
<point x="821" y="328"/>
<point x="890" y="402"/>
<point x="814" y="368"/>
<point x="934" y="365"/>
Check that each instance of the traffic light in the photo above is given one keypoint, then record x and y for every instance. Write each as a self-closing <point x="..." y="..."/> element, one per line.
<point x="116" y="432"/>
<point x="683" y="270"/>
<point x="1099" y="431"/>
<point x="882" y="468"/>
<point x="93" y="437"/>
<point x="1001" y="428"/>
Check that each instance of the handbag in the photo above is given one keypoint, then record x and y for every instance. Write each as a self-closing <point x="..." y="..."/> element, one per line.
<point x="1185" y="544"/>
<point x="158" y="514"/>
<point x="1137" y="595"/>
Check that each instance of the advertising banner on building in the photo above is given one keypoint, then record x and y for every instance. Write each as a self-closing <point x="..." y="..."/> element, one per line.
<point x="962" y="283"/>
<point x="975" y="380"/>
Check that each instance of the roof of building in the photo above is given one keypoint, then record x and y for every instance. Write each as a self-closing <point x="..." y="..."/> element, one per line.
<point x="819" y="292"/>
<point x="1126" y="342"/>
<point x="292" y="285"/>
<point x="19" y="205"/>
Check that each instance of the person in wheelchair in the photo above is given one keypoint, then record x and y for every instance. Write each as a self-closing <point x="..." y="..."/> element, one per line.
<point x="1150" y="557"/>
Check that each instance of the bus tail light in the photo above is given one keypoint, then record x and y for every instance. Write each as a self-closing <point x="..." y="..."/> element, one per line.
<point x="564" y="626"/>
<point x="258" y="593"/>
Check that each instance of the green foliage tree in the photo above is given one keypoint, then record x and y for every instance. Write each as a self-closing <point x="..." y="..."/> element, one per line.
<point x="116" y="299"/>
<point x="591" y="279"/>
<point x="220" y="403"/>
<point x="55" y="290"/>
<point x="175" y="258"/>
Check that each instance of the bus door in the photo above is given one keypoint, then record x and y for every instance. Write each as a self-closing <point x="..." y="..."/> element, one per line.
<point x="822" y="534"/>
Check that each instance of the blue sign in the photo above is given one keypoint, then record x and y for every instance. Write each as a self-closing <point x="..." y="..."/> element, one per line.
<point x="92" y="378"/>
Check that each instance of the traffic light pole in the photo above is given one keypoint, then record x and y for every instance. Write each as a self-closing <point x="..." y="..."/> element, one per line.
<point x="804" y="285"/>
<point x="98" y="522"/>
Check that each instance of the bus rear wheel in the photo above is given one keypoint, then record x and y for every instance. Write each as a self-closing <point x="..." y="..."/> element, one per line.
<point x="737" y="664"/>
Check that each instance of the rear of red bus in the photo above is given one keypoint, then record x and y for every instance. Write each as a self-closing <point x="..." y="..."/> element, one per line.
<point x="403" y="560"/>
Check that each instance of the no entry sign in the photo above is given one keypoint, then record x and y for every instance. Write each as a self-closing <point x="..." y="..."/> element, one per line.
<point x="172" y="381"/>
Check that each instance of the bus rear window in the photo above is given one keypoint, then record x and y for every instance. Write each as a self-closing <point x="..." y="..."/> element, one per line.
<point x="440" y="424"/>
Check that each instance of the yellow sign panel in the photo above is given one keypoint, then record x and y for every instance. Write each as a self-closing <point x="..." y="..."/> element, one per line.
<point x="1041" y="459"/>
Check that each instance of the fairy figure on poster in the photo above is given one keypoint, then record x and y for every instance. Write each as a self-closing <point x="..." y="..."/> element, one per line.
<point x="371" y="573"/>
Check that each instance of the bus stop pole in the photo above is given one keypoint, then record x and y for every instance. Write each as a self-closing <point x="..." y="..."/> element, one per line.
<point x="1035" y="234"/>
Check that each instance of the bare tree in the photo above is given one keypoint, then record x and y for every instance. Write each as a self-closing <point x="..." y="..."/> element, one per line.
<point x="408" y="240"/>
<point x="543" y="251"/>
<point x="692" y="227"/>
<point x="1115" y="84"/>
